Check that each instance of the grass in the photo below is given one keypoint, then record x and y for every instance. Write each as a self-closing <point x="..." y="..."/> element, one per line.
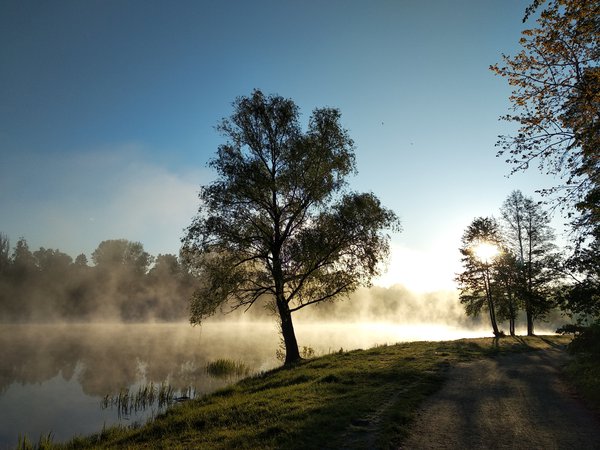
<point x="584" y="373"/>
<point x="350" y="399"/>
<point x="226" y="368"/>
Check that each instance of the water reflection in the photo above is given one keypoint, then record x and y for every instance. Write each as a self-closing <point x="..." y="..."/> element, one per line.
<point x="113" y="356"/>
<point x="54" y="377"/>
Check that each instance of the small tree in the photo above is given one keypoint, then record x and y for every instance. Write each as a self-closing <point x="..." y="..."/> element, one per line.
<point x="120" y="268"/>
<point x="277" y="223"/>
<point x="477" y="281"/>
<point x="52" y="262"/>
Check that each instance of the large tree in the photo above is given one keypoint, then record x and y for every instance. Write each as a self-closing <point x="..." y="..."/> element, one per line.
<point x="529" y="237"/>
<point x="556" y="105"/>
<point x="278" y="223"/>
<point x="556" y="99"/>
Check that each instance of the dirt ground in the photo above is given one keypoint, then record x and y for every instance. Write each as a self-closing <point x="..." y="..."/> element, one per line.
<point x="516" y="401"/>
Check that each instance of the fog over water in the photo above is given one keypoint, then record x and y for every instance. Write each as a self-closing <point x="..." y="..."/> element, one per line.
<point x="53" y="376"/>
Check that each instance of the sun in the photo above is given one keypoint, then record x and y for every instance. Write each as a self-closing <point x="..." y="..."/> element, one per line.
<point x="485" y="251"/>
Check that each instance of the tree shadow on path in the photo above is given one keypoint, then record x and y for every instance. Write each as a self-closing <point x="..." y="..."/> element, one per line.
<point x="515" y="401"/>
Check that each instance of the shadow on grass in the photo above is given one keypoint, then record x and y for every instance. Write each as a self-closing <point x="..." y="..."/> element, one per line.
<point x="364" y="405"/>
<point x="553" y="344"/>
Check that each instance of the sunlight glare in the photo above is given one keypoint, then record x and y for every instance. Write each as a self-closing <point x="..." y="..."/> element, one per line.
<point x="421" y="270"/>
<point x="485" y="251"/>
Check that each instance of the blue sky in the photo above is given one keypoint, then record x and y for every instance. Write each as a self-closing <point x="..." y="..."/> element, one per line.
<point x="107" y="112"/>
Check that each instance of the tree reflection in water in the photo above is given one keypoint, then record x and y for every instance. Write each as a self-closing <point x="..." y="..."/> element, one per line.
<point x="111" y="357"/>
<point x="53" y="378"/>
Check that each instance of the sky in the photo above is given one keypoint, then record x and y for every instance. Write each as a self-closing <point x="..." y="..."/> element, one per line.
<point x="108" y="108"/>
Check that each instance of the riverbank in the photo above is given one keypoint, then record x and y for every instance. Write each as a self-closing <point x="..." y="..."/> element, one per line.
<point x="345" y="399"/>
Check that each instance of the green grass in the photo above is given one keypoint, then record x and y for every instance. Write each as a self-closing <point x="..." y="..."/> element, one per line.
<point x="584" y="373"/>
<point x="352" y="399"/>
<point x="224" y="368"/>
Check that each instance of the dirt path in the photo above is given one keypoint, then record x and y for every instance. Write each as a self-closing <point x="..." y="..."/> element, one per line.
<point x="516" y="401"/>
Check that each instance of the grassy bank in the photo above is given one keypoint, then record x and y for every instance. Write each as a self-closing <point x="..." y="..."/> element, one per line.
<point x="362" y="398"/>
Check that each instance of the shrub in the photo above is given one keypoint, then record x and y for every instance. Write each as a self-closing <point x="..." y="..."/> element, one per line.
<point x="587" y="341"/>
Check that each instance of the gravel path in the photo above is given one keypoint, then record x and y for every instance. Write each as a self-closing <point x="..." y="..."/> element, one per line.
<point x="516" y="401"/>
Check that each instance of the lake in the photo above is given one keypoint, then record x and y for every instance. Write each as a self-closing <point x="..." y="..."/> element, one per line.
<point x="53" y="378"/>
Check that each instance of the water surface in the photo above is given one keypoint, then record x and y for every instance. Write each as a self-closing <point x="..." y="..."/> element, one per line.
<point x="53" y="377"/>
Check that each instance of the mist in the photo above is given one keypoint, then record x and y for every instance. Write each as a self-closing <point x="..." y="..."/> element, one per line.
<point x="126" y="284"/>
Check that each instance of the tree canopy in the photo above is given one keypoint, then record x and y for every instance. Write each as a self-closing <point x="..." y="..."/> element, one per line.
<point x="115" y="252"/>
<point x="556" y="99"/>
<point x="279" y="223"/>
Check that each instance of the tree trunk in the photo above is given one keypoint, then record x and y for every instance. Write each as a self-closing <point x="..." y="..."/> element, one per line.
<point x="513" y="315"/>
<point x="529" y="321"/>
<point x="493" y="317"/>
<point x="292" y="354"/>
<point x="490" y="300"/>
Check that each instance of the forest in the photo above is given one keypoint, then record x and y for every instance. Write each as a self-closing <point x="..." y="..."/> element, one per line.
<point x="125" y="283"/>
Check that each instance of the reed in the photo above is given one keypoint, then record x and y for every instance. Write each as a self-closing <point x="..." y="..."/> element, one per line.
<point x="44" y="442"/>
<point x="146" y="396"/>
<point x="226" y="368"/>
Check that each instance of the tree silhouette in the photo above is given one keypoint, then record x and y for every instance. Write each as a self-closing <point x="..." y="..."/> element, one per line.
<point x="477" y="280"/>
<point x="507" y="289"/>
<point x="121" y="252"/>
<point x="4" y="253"/>
<point x="278" y="223"/>
<point x="47" y="285"/>
<point x="528" y="235"/>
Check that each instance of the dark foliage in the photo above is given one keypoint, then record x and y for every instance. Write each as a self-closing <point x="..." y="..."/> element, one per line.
<point x="47" y="285"/>
<point x="587" y="341"/>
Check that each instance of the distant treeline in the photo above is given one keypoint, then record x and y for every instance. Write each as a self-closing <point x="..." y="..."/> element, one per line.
<point x="124" y="283"/>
